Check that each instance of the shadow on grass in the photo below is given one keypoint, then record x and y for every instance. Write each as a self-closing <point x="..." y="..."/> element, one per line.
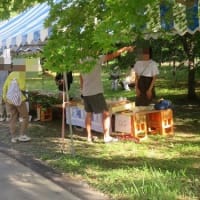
<point x="178" y="154"/>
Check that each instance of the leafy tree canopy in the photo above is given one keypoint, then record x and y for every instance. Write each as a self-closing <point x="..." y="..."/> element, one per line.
<point x="88" y="28"/>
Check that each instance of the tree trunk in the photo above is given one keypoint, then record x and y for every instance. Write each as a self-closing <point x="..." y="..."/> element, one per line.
<point x="188" y="45"/>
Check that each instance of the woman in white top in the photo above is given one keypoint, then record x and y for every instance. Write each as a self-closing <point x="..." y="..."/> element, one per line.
<point x="146" y="71"/>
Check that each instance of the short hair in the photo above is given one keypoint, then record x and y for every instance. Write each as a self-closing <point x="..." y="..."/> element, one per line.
<point x="147" y="50"/>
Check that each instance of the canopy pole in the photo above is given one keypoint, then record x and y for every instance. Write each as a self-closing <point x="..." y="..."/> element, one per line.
<point x="68" y="108"/>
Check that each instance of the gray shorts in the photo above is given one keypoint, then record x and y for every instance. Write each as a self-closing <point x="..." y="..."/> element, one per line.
<point x="95" y="103"/>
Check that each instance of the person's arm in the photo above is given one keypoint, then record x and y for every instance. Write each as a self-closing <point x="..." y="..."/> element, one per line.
<point x="5" y="89"/>
<point x="81" y="83"/>
<point x="136" y="84"/>
<point x="117" y="53"/>
<point x="149" y="91"/>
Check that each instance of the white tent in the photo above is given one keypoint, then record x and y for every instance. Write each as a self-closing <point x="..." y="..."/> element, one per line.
<point x="25" y="28"/>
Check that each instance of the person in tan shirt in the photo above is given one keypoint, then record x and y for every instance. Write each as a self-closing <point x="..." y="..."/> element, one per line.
<point x="92" y="92"/>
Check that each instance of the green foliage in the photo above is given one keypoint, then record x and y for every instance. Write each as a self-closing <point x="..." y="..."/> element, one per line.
<point x="43" y="100"/>
<point x="89" y="28"/>
<point x="9" y="8"/>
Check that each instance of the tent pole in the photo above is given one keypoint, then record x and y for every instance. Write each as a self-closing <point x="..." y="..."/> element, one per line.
<point x="66" y="96"/>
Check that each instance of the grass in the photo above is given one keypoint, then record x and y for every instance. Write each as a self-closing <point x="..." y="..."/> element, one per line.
<point x="158" y="168"/>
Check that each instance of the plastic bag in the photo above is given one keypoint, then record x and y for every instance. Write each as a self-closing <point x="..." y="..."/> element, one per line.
<point x="163" y="104"/>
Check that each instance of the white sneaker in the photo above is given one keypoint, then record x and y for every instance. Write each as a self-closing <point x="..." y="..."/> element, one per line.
<point x="20" y="119"/>
<point x="24" y="138"/>
<point x="110" y="139"/>
<point x="89" y="140"/>
<point x="14" y="139"/>
<point x="2" y="119"/>
<point x="127" y="89"/>
<point x="7" y="119"/>
<point x="92" y="139"/>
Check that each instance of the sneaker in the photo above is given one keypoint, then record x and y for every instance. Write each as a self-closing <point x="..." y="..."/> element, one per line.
<point x="24" y="138"/>
<point x="14" y="139"/>
<point x="20" y="119"/>
<point x="89" y="140"/>
<point x="92" y="139"/>
<point x="127" y="89"/>
<point x="8" y="118"/>
<point x="1" y="119"/>
<point x="110" y="139"/>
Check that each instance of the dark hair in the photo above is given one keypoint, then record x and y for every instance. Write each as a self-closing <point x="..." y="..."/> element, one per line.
<point x="147" y="50"/>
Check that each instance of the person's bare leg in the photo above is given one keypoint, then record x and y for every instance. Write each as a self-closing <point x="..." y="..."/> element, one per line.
<point x="88" y="120"/>
<point x="106" y="120"/>
<point x="106" y="123"/>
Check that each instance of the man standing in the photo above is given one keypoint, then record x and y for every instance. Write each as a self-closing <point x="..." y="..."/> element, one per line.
<point x="17" y="110"/>
<point x="92" y="91"/>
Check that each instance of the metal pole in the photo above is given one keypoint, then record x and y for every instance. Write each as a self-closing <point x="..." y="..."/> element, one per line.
<point x="68" y="108"/>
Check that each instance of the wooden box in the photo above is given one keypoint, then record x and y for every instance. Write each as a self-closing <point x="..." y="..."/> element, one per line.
<point x="131" y="123"/>
<point x="45" y="114"/>
<point x="160" y="121"/>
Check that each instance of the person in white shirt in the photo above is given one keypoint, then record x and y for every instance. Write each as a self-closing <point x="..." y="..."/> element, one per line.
<point x="146" y="71"/>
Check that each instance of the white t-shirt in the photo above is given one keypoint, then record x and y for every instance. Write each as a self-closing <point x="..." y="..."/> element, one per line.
<point x="92" y="83"/>
<point x="148" y="68"/>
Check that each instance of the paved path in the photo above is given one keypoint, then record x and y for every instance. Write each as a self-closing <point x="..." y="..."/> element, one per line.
<point x="21" y="183"/>
<point x="25" y="178"/>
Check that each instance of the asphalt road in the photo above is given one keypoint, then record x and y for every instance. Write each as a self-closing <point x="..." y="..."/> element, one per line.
<point x="21" y="183"/>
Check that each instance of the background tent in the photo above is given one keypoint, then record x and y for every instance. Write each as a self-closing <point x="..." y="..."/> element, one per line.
<point x="180" y="18"/>
<point x="173" y="18"/>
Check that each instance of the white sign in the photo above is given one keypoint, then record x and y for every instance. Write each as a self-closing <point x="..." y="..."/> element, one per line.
<point x="78" y="118"/>
<point x="123" y="123"/>
<point x="33" y="65"/>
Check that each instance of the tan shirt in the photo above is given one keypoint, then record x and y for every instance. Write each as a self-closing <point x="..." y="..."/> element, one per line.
<point x="92" y="83"/>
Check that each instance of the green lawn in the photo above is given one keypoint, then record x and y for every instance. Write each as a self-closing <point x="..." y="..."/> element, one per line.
<point x="158" y="168"/>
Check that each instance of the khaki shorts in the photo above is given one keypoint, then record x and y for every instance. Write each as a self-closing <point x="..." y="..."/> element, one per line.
<point x="95" y="103"/>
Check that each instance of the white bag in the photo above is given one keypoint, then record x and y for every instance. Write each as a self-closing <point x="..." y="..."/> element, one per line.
<point x="14" y="93"/>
